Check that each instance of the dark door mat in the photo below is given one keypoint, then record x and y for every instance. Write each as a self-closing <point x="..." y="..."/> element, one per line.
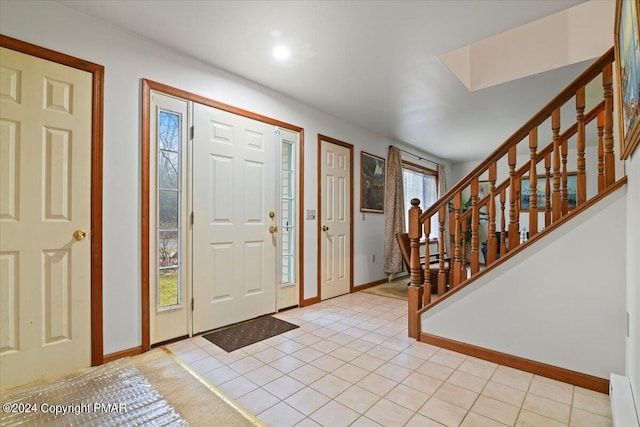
<point x="247" y="333"/>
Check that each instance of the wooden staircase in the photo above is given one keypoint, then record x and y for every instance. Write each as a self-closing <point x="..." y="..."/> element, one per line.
<point x="555" y="166"/>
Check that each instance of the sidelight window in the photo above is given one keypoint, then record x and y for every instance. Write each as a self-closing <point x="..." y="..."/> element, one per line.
<point x="169" y="219"/>
<point x="288" y="213"/>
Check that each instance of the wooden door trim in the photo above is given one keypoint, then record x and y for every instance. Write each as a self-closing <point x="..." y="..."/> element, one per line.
<point x="321" y="138"/>
<point x="97" y="128"/>
<point x="147" y="87"/>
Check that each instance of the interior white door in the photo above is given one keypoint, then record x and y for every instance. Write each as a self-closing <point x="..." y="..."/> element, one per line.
<point x="45" y="219"/>
<point x="234" y="235"/>
<point x="335" y="220"/>
<point x="168" y="291"/>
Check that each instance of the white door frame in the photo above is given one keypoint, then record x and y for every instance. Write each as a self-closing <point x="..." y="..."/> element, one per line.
<point x="97" y="113"/>
<point x="147" y="87"/>
<point x="320" y="219"/>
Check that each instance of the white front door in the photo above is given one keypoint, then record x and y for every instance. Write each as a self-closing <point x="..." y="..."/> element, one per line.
<point x="234" y="193"/>
<point x="335" y="219"/>
<point x="45" y="245"/>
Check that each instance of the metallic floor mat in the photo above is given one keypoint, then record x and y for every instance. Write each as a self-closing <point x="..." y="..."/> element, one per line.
<point x="115" y="394"/>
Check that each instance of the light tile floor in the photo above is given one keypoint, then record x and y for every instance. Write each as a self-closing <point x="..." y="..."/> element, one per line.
<point x="351" y="364"/>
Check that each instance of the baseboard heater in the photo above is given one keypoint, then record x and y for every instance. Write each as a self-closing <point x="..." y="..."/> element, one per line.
<point x="623" y="407"/>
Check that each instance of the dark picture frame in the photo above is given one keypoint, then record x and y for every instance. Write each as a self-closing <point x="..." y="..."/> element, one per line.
<point x="572" y="191"/>
<point x="372" y="179"/>
<point x="626" y="46"/>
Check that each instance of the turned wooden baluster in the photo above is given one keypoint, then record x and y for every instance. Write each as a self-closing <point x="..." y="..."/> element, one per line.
<point x="581" y="180"/>
<point x="503" y="224"/>
<point x="565" y="191"/>
<point x="463" y="250"/>
<point x="518" y="197"/>
<point x="426" y="288"/>
<point x="457" y="250"/>
<point x="475" y="221"/>
<point x="415" y="290"/>
<point x="492" y="242"/>
<point x="556" y="197"/>
<point x="442" y="275"/>
<point x="609" y="160"/>
<point x="547" y="190"/>
<point x="452" y="240"/>
<point x="514" y="220"/>
<point x="601" y="184"/>
<point x="533" y="182"/>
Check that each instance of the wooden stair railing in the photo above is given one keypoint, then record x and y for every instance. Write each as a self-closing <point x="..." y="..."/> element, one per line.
<point x="499" y="216"/>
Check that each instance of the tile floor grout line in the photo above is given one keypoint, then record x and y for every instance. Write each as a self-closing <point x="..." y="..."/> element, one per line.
<point x="359" y="316"/>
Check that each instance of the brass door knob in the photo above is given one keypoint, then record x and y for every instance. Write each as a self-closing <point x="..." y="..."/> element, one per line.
<point x="273" y="229"/>
<point x="79" y="234"/>
<point x="325" y="228"/>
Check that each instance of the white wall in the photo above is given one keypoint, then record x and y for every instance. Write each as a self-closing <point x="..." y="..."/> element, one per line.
<point x="127" y="59"/>
<point x="633" y="275"/>
<point x="560" y="301"/>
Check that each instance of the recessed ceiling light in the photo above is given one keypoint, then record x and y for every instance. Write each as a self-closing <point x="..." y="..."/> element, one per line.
<point x="281" y="53"/>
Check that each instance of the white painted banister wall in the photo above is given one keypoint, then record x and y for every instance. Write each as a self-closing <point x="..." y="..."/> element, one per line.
<point x="560" y="301"/>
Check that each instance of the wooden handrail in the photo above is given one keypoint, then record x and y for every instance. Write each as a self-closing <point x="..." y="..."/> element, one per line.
<point x="589" y="117"/>
<point x="585" y="78"/>
<point x="506" y="232"/>
<point x="609" y="190"/>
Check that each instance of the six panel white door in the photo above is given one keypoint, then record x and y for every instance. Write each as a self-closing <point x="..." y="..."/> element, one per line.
<point x="234" y="190"/>
<point x="45" y="184"/>
<point x="335" y="220"/>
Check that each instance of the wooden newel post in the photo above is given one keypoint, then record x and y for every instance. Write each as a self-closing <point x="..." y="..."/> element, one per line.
<point x="415" y="290"/>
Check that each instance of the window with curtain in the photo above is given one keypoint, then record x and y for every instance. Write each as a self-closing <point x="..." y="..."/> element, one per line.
<point x="421" y="183"/>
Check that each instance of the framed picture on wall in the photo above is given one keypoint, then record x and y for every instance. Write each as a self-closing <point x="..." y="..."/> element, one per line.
<point x="541" y="193"/>
<point x="372" y="177"/>
<point x="627" y="45"/>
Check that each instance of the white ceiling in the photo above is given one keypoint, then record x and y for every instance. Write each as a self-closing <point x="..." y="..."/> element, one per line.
<point x="372" y="63"/>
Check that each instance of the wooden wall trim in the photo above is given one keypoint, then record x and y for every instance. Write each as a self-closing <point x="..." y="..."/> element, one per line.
<point x="579" y="379"/>
<point x="301" y="217"/>
<point x="370" y="284"/>
<point x="145" y="158"/>
<point x="123" y="353"/>
<point x="97" y="130"/>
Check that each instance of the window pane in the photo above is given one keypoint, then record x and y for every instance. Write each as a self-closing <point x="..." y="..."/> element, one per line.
<point x="169" y="131"/>
<point x="168" y="294"/>
<point x="423" y="186"/>
<point x="288" y="184"/>
<point x="168" y="209"/>
<point x="168" y="169"/>
<point x="167" y="248"/>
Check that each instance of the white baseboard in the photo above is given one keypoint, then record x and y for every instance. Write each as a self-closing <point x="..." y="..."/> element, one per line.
<point x="623" y="406"/>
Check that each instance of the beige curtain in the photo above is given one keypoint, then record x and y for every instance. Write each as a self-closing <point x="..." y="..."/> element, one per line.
<point x="394" y="212"/>
<point x="442" y="189"/>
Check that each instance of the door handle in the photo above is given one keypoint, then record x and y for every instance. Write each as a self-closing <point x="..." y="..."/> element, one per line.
<point x="273" y="229"/>
<point x="325" y="228"/>
<point x="79" y="234"/>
